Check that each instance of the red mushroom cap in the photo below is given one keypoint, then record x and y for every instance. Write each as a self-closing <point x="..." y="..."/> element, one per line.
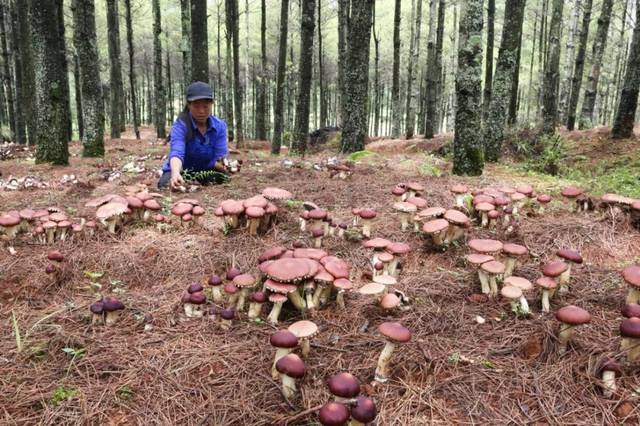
<point x="333" y="414"/>
<point x="344" y="385"/>
<point x="573" y="315"/>
<point x="291" y="365"/>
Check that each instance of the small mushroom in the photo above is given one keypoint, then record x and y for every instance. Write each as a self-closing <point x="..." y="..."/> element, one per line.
<point x="513" y="294"/>
<point x="394" y="333"/>
<point x="278" y="300"/>
<point x="406" y="211"/>
<point x="570" y="316"/>
<point x="477" y="259"/>
<point x="548" y="286"/>
<point x="524" y="285"/>
<point x="226" y="317"/>
<point x="304" y="330"/>
<point x="317" y="235"/>
<point x="341" y="285"/>
<point x="458" y="222"/>
<point x="111" y="307"/>
<point x="284" y="341"/>
<point x="367" y="216"/>
<point x="97" y="313"/>
<point x="215" y="282"/>
<point x="244" y="282"/>
<point x="512" y="253"/>
<point x="554" y="270"/>
<point x="344" y="387"/>
<point x="255" y="307"/>
<point x="631" y="275"/>
<point x="364" y="411"/>
<point x="631" y="310"/>
<point x="609" y="369"/>
<point x="437" y="230"/>
<point x="570" y="257"/>
<point x="291" y="367"/>
<point x="399" y="193"/>
<point x="254" y="217"/>
<point x="543" y="200"/>
<point x="630" y="332"/>
<point x="333" y="414"/>
<point x="460" y="191"/>
<point x="494" y="271"/>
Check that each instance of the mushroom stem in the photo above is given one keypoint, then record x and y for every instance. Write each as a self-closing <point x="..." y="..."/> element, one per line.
<point x="524" y="305"/>
<point x="316" y="295"/>
<point x="305" y="346"/>
<point x="242" y="297"/>
<point x="297" y="300"/>
<point x="545" y="300"/>
<point x="565" y="276"/>
<point x="253" y="226"/>
<point x="317" y="242"/>
<point x="303" y="224"/>
<point x="366" y="228"/>
<point x="275" y="313"/>
<point x="232" y="220"/>
<point x="404" y="221"/>
<point x="382" y="370"/>
<point x="233" y="298"/>
<point x="111" y="224"/>
<point x="608" y="383"/>
<point x="51" y="233"/>
<point x="216" y="294"/>
<point x="564" y="336"/>
<point x="188" y="310"/>
<point x="633" y="296"/>
<point x="509" y="266"/>
<point x="340" y="299"/>
<point x="493" y="284"/>
<point x="254" y="310"/>
<point x="438" y="238"/>
<point x="485" y="220"/>
<point x="634" y="350"/>
<point x="111" y="317"/>
<point x="392" y="268"/>
<point x="309" y="296"/>
<point x="280" y="353"/>
<point x="97" y="319"/>
<point x="460" y="200"/>
<point x="225" y="324"/>
<point x="484" y="281"/>
<point x="288" y="386"/>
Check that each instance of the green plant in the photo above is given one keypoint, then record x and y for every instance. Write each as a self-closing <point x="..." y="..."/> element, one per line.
<point x="454" y="358"/>
<point x="76" y="353"/>
<point x="487" y="364"/>
<point x="22" y="339"/>
<point x="62" y="394"/>
<point x="94" y="285"/>
<point x="355" y="156"/>
<point x="125" y="393"/>
<point x="204" y="175"/>
<point x="293" y="204"/>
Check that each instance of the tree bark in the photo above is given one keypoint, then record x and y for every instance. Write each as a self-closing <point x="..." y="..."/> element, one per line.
<point x="261" y="107"/>
<point x="552" y="72"/>
<point x="578" y="70"/>
<point x="488" y="59"/>
<point x="18" y="73"/>
<point x="199" y="43"/>
<point x="515" y="87"/>
<point x="115" y="69"/>
<point x="395" y="89"/>
<point x="620" y="58"/>
<point x="599" y="43"/>
<point x="357" y="77"/>
<point x="232" y="27"/>
<point x="468" y="156"/>
<point x="26" y="58"/>
<point x="434" y="70"/>
<point x="185" y="42"/>
<point x="170" y="93"/>
<point x="160" y="104"/>
<point x="376" y="79"/>
<point x="321" y="82"/>
<point x="78" y="95"/>
<point x="570" y="56"/>
<point x="625" y="114"/>
<point x="85" y="41"/>
<point x="278" y="114"/>
<point x="305" y="69"/>
<point x="414" y="52"/>
<point x="52" y="85"/>
<point x="505" y="74"/>
<point x="132" y="74"/>
<point x="7" y="77"/>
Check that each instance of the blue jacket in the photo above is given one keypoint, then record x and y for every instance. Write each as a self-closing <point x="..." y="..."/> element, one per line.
<point x="201" y="152"/>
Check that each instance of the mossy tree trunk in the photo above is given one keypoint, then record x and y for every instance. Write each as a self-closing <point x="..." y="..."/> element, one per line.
<point x="468" y="158"/>
<point x="434" y="80"/>
<point x="6" y="70"/>
<point x="395" y="88"/>
<point x="321" y="80"/>
<point x="160" y="105"/>
<point x="199" y="41"/>
<point x="132" y="74"/>
<point x="23" y="30"/>
<point x="488" y="58"/>
<point x="552" y="71"/>
<point x="357" y="76"/>
<point x="263" y="84"/>
<point x="599" y="44"/>
<point x="78" y="95"/>
<point x="568" y="63"/>
<point x="377" y="96"/>
<point x="185" y="41"/>
<point x="414" y="54"/>
<point x="232" y="21"/>
<point x="278" y="122"/>
<point x="52" y="85"/>
<point x="115" y="68"/>
<point x="626" y="112"/>
<point x="504" y="76"/>
<point x="343" y="26"/>
<point x="305" y="70"/>
<point x="18" y="75"/>
<point x="578" y="70"/>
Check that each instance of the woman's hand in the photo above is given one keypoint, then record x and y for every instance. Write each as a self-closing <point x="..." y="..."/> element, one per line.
<point x="176" y="180"/>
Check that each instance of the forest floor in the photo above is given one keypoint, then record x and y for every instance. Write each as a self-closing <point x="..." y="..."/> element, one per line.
<point x="154" y="367"/>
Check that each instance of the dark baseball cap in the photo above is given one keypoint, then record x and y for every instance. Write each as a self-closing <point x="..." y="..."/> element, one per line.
<point x="199" y="90"/>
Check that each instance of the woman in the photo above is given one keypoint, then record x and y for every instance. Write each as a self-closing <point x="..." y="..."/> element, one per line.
<point x="198" y="142"/>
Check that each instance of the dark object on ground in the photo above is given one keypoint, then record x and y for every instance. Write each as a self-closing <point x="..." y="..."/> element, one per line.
<point x="203" y="178"/>
<point x="322" y="135"/>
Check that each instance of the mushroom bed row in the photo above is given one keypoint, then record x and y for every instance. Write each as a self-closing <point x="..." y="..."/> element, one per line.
<point x="300" y="279"/>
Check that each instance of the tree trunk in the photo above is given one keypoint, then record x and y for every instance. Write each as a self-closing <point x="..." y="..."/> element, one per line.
<point x="625" y="115"/>
<point x="170" y="94"/>
<point x="552" y="72"/>
<point x="132" y="75"/>
<point x="376" y="82"/>
<point x="533" y="55"/>
<point x="160" y="104"/>
<point x="515" y="86"/>
<point x="467" y="144"/>
<point x="199" y="43"/>
<point x="185" y="42"/>
<point x="570" y="56"/>
<point x="278" y="114"/>
<point x="115" y="70"/>
<point x="305" y="69"/>
<point x="232" y="27"/>
<point x="434" y="70"/>
<point x="78" y="95"/>
<point x="357" y="76"/>
<point x="52" y="85"/>
<point x="21" y="129"/>
<point x="599" y="43"/>
<point x="488" y="59"/>
<point x="8" y="80"/>
<point x="26" y="58"/>
<point x="261" y="107"/>
<point x="505" y="74"/>
<point x="395" y="89"/>
<point x="414" y="52"/>
<point x="321" y="82"/>
<point x="578" y="70"/>
<point x="84" y="39"/>
<point x="229" y="69"/>
<point x="343" y="24"/>
<point x="620" y="58"/>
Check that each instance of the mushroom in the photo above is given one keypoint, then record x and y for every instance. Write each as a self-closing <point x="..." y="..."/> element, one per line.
<point x="399" y="193"/>
<point x="196" y="304"/>
<point x="55" y="255"/>
<point x="232" y="273"/>
<point x="367" y="216"/>
<point x="437" y="229"/>
<point x="254" y="216"/>
<point x="333" y="414"/>
<point x="630" y="332"/>
<point x="373" y="289"/>
<point x="341" y="285"/>
<point x="109" y="215"/>
<point x="524" y="285"/>
<point x="317" y="216"/>
<point x="460" y="192"/>
<point x="570" y="316"/>
<point x="97" y="312"/>
<point x="397" y="250"/>
<point x="631" y="275"/>
<point x="304" y="330"/>
<point x="413" y="189"/>
<point x="215" y="282"/>
<point x="344" y="387"/>
<point x="548" y="286"/>
<point x="50" y="228"/>
<point x="483" y="209"/>
<point x="570" y="257"/>
<point x="364" y="411"/>
<point x="513" y="294"/>
<point x="518" y="199"/>
<point x="389" y="302"/>
<point x="477" y="259"/>
<point x="609" y="369"/>
<point x="571" y="193"/>
<point x="227" y="316"/>
<point x="278" y="300"/>
<point x="151" y="206"/>
<point x="384" y="261"/>
<point x="277" y="195"/>
<point x="512" y="253"/>
<point x="284" y="341"/>
<point x="232" y="210"/>
<point x="406" y="210"/>
<point x="494" y="218"/>
<point x="631" y="310"/>
<point x="543" y="200"/>
<point x="255" y="307"/>
<point x="231" y="293"/>
<point x="291" y="367"/>
<point x="317" y="235"/>
<point x="394" y="334"/>
<point x="494" y="271"/>
<point x="244" y="282"/>
<point x="386" y="280"/>
<point x="111" y="307"/>
<point x="377" y="244"/>
<point x="458" y="222"/>
<point x="323" y="280"/>
<point x="555" y="270"/>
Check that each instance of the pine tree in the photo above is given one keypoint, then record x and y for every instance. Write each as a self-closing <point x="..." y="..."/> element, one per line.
<point x="115" y="69"/>
<point x="160" y="107"/>
<point x="395" y="88"/>
<point x="552" y="71"/>
<point x="23" y="31"/>
<point x="414" y="53"/>
<point x="488" y="57"/>
<point x="578" y="70"/>
<point x="261" y="105"/>
<point x="232" y="21"/>
<point x="132" y="74"/>
<point x="185" y="46"/>
<point x="278" y="122"/>
<point x="199" y="43"/>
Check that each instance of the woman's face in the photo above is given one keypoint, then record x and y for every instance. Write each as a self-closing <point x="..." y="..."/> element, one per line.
<point x="200" y="110"/>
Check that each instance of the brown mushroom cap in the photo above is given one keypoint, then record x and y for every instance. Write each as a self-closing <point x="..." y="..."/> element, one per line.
<point x="283" y="339"/>
<point x="494" y="214"/>
<point x="344" y="385"/>
<point x="485" y="245"/>
<point x="280" y="288"/>
<point x="342" y="284"/>
<point x="7" y="220"/>
<point x="291" y="365"/>
<point x="232" y="207"/>
<point x="484" y="207"/>
<point x="275" y="194"/>
<point x="573" y="315"/>
<point x="511" y="292"/>
<point x="493" y="267"/>
<point x="376" y="243"/>
<point x="229" y="288"/>
<point x="459" y="189"/>
<point x="338" y="268"/>
<point x="254" y="212"/>
<point x="431" y="212"/>
<point x="152" y="204"/>
<point x="478" y="259"/>
<point x="434" y="226"/>
<point x="415" y="186"/>
<point x="405" y="207"/>
<point x="389" y="301"/>
<point x="180" y="209"/>
<point x="55" y="255"/>
<point x="109" y="210"/>
<point x="420" y="203"/>
<point x="272" y="253"/>
<point x="255" y="201"/>
<point x="309" y="253"/>
<point x="482" y="198"/>
<point x="333" y="414"/>
<point x="570" y="255"/>
<point x="277" y="298"/>
<point x="398" y="248"/>
<point x="610" y="364"/>
<point x="395" y="332"/>
<point x="519" y="282"/>
<point x="288" y="270"/>
<point x="546" y="283"/>
<point x="364" y="411"/>
<point x="244" y="280"/>
<point x="631" y="310"/>
<point x="630" y="328"/>
<point x="372" y="289"/>
<point x="544" y="198"/>
<point x="317" y="214"/>
<point x="631" y="275"/>
<point x="554" y="269"/>
<point x="514" y="249"/>
<point x="367" y="214"/>
<point x="385" y="280"/>
<point x="456" y="217"/>
<point x="134" y="202"/>
<point x="572" y="192"/>
<point x="385" y="257"/>
<point x="303" y="329"/>
<point x="398" y="190"/>
<point x="525" y="189"/>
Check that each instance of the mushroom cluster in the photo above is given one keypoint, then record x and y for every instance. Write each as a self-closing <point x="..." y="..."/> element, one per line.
<point x="443" y="226"/>
<point x="386" y="256"/>
<point x="347" y="405"/>
<point x="256" y="213"/>
<point x="105" y="311"/>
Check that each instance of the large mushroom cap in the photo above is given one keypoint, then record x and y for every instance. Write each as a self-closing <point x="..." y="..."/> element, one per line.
<point x="244" y="280"/>
<point x="519" y="282"/>
<point x="291" y="365"/>
<point x="570" y="255"/>
<point x="398" y="248"/>
<point x="317" y="214"/>
<point x="275" y="194"/>
<point x="546" y="283"/>
<point x="364" y="411"/>
<point x="228" y="314"/>
<point x="272" y="253"/>
<point x="485" y="207"/>
<point x="134" y="202"/>
<point x="343" y="284"/>
<point x="194" y="288"/>
<point x="456" y="217"/>
<point x="385" y="279"/>
<point x="283" y="339"/>
<point x="395" y="332"/>
<point x="482" y="198"/>
<point x="303" y="329"/>
<point x="372" y="289"/>
<point x="344" y="385"/>
<point x="511" y="292"/>
<point x="111" y="304"/>
<point x="389" y="301"/>
<point x="554" y="269"/>
<point x="631" y="275"/>
<point x="435" y="226"/>
<point x="287" y="270"/>
<point x="333" y="414"/>
<point x="376" y="243"/>
<point x="630" y="328"/>
<point x="180" y="209"/>
<point x="485" y="245"/>
<point x="152" y="204"/>
<point x="493" y="267"/>
<point x="573" y="315"/>
<point x="55" y="255"/>
<point x="431" y="212"/>
<point x="232" y="207"/>
<point x="514" y="249"/>
<point x="419" y="202"/>
<point x="255" y="201"/>
<point x="415" y="186"/>
<point x="572" y="192"/>
<point x="309" y="253"/>
<point x="478" y="259"/>
<point x="109" y="210"/>
<point x="278" y="287"/>
<point x="405" y="207"/>
<point x="459" y="189"/>
<point x="631" y="310"/>
<point x="338" y="268"/>
<point x="367" y="213"/>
